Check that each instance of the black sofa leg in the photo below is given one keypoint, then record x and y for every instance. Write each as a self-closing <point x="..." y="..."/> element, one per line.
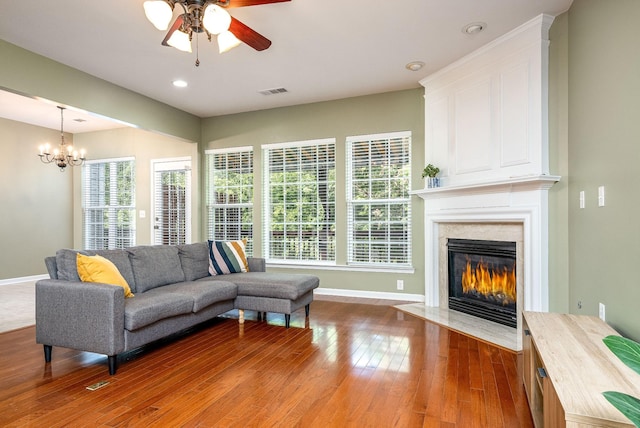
<point x="306" y="310"/>
<point x="113" y="364"/>
<point x="287" y="320"/>
<point x="47" y="353"/>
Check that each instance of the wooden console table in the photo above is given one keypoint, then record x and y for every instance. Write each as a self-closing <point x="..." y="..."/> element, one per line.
<point x="566" y="369"/>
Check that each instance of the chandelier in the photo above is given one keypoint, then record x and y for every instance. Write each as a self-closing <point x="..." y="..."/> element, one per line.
<point x="200" y="16"/>
<point x="64" y="155"/>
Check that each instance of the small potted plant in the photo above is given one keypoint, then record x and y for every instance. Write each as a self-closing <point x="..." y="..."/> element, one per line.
<point x="429" y="172"/>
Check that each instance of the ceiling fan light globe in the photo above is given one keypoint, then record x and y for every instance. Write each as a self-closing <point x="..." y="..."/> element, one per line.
<point x="180" y="41"/>
<point x="227" y="41"/>
<point x="159" y="13"/>
<point x="216" y="20"/>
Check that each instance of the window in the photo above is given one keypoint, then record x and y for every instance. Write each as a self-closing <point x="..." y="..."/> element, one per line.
<point x="108" y="189"/>
<point x="229" y="194"/>
<point x="172" y="202"/>
<point x="299" y="201"/>
<point x="378" y="201"/>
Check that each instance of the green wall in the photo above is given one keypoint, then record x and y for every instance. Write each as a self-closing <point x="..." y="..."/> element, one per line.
<point x="604" y="150"/>
<point x="35" y="199"/>
<point x="394" y="111"/>
<point x="559" y="165"/>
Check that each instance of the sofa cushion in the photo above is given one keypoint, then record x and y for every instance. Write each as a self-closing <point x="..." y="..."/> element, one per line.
<point x="66" y="264"/>
<point x="120" y="258"/>
<point x="227" y="257"/>
<point x="154" y="266"/>
<point x="68" y="269"/>
<point x="267" y="284"/>
<point x="203" y="293"/>
<point x="195" y="260"/>
<point x="99" y="269"/>
<point x="154" y="305"/>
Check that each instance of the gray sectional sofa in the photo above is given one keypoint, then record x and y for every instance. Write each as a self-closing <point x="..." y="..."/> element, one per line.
<point x="173" y="291"/>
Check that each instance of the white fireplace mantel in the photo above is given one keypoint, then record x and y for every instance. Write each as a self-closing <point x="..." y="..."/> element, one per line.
<point x="513" y="184"/>
<point x="522" y="200"/>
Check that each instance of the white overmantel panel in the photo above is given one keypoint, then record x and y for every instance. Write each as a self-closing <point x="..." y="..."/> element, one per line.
<point x="486" y="114"/>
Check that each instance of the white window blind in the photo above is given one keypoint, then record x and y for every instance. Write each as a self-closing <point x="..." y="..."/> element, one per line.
<point x="108" y="195"/>
<point x="172" y="202"/>
<point x="378" y="200"/>
<point x="229" y="194"/>
<point x="299" y="201"/>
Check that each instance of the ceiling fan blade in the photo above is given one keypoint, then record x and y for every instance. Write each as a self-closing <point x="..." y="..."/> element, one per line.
<point x="242" y="3"/>
<point x="176" y="24"/>
<point x="249" y="36"/>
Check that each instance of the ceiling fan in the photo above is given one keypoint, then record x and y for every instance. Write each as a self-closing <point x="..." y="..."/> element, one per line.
<point x="205" y="16"/>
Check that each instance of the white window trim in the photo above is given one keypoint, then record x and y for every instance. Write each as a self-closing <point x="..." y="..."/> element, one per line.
<point x="170" y="166"/>
<point x="266" y="201"/>
<point x="371" y="266"/>
<point x="303" y="143"/>
<point x="227" y="150"/>
<point x="83" y="196"/>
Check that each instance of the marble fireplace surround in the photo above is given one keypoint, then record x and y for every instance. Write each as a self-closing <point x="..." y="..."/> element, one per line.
<point x="506" y="210"/>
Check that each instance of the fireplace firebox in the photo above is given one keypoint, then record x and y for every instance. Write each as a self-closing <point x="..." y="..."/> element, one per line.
<point x="482" y="279"/>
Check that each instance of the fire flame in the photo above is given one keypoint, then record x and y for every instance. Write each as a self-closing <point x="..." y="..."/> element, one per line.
<point x="484" y="280"/>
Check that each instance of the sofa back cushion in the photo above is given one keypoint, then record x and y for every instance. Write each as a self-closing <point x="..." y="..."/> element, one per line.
<point x="120" y="258"/>
<point x="66" y="264"/>
<point x="68" y="269"/>
<point x="195" y="260"/>
<point x="154" y="266"/>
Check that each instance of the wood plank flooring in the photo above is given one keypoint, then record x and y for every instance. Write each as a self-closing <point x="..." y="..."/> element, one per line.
<point x="351" y="365"/>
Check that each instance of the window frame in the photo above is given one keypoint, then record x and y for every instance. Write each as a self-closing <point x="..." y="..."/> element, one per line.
<point x="163" y="230"/>
<point x="243" y="207"/>
<point x="355" y="247"/>
<point x="327" y="247"/>
<point x="114" y="209"/>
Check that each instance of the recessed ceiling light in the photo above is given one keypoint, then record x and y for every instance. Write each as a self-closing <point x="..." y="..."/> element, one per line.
<point x="180" y="83"/>
<point x="414" y="65"/>
<point x="474" y="28"/>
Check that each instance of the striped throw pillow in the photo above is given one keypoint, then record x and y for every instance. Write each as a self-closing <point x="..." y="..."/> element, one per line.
<point x="227" y="257"/>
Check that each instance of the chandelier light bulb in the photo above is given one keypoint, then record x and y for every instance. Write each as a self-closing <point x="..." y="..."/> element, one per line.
<point x="216" y="20"/>
<point x="159" y="13"/>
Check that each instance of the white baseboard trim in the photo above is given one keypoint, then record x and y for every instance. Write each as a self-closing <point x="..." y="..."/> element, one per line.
<point x="369" y="294"/>
<point x="10" y="281"/>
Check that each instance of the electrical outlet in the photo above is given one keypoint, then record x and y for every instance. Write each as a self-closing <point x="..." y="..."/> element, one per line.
<point x="601" y="311"/>
<point x="400" y="284"/>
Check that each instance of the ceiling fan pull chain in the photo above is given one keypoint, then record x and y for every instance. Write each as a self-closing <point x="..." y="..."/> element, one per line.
<point x="197" y="50"/>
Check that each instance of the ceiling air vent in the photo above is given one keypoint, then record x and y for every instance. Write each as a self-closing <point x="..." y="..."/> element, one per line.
<point x="273" y="91"/>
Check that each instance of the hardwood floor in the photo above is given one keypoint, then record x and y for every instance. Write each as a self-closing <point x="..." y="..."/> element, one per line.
<point x="351" y="365"/>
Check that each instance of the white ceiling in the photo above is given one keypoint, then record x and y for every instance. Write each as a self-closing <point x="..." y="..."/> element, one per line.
<point x="322" y="50"/>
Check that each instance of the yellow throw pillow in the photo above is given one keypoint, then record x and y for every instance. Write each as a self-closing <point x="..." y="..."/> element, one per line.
<point x="100" y="269"/>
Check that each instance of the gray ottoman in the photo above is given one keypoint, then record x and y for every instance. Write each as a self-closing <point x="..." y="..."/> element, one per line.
<point x="273" y="292"/>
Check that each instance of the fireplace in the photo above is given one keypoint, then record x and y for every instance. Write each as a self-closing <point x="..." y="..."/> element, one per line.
<point x="482" y="279"/>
